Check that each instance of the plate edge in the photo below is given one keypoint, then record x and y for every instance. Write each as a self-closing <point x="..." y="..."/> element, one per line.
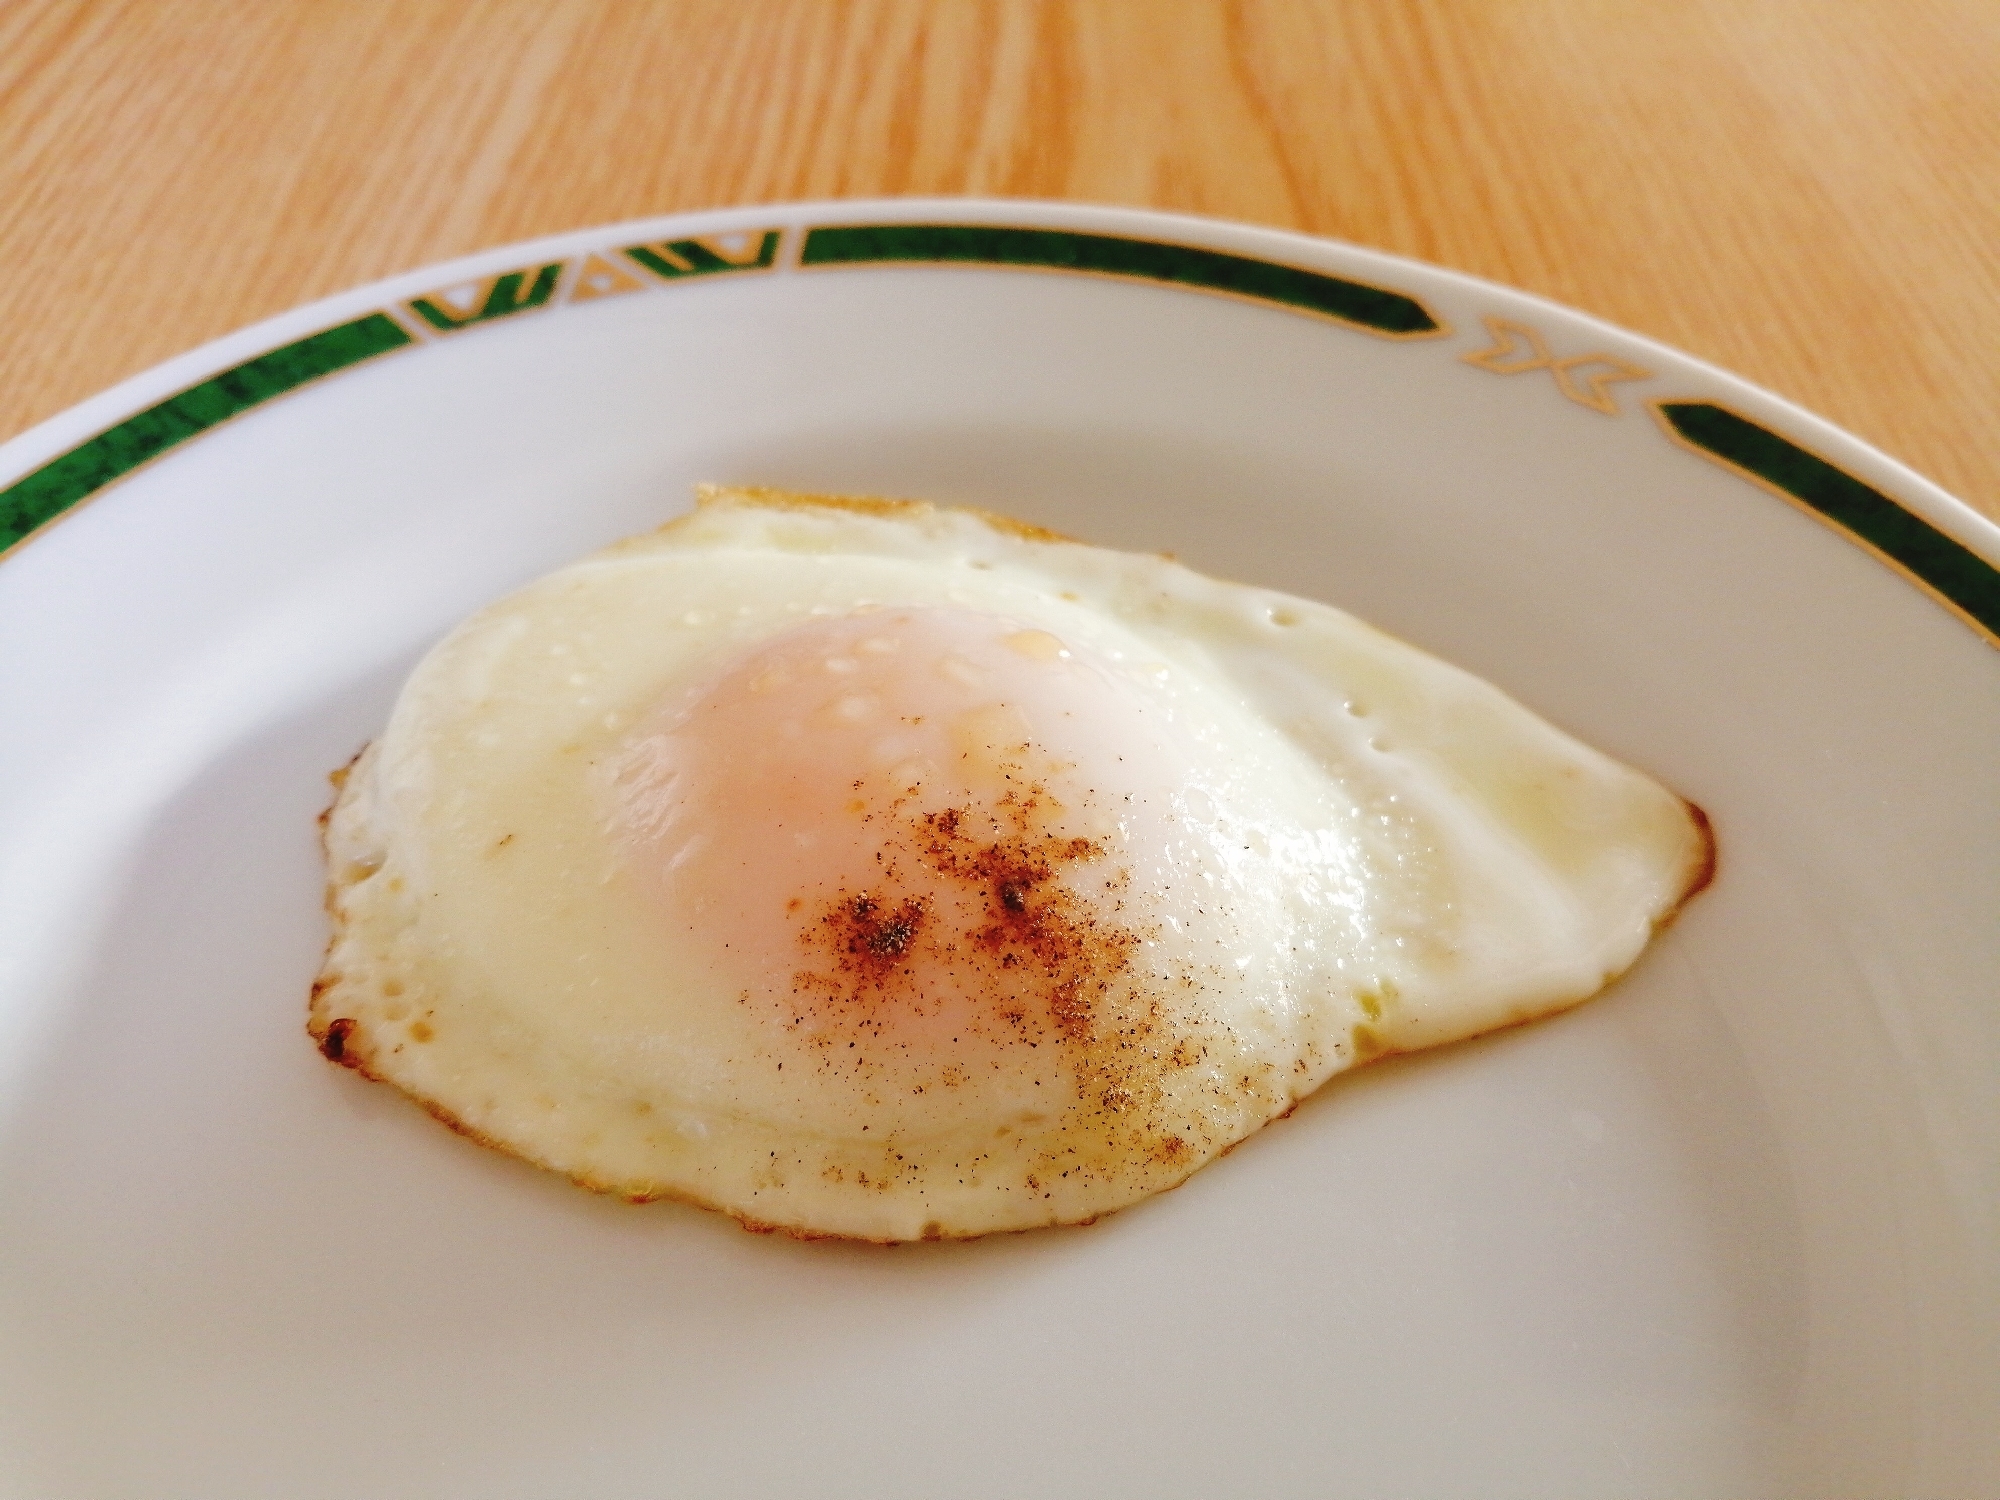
<point x="1958" y="572"/>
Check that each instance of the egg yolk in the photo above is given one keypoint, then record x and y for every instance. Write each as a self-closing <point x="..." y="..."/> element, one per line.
<point x="918" y="841"/>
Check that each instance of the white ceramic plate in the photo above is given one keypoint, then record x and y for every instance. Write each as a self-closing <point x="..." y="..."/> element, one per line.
<point x="1730" y="1230"/>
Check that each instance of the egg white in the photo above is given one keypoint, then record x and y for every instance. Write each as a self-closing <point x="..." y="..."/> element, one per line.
<point x="1306" y="844"/>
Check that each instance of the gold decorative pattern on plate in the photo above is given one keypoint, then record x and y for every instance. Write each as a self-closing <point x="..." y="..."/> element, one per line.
<point x="707" y="254"/>
<point x="599" y="276"/>
<point x="1948" y="570"/>
<point x="1584" y="378"/>
<point x="481" y="301"/>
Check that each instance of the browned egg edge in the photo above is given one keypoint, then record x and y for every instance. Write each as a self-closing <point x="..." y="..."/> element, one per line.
<point x="1701" y="871"/>
<point x="760" y="497"/>
<point x="331" y="1034"/>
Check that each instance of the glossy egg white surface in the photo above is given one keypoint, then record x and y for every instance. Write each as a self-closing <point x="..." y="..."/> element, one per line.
<point x="875" y="870"/>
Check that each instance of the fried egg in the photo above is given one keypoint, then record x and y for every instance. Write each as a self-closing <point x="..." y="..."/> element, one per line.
<point x="878" y="870"/>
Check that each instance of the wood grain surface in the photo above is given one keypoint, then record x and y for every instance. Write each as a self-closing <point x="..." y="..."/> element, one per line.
<point x="1804" y="191"/>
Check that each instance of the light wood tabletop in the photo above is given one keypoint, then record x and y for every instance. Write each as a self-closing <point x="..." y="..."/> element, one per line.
<point x="1806" y="192"/>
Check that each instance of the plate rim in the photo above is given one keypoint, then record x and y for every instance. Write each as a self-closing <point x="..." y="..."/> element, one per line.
<point x="1836" y="456"/>
<point x="137" y="393"/>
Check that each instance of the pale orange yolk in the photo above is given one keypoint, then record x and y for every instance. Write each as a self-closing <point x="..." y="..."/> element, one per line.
<point x="908" y="838"/>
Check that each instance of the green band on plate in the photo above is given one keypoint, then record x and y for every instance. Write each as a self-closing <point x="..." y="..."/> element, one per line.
<point x="508" y="295"/>
<point x="696" y="258"/>
<point x="1059" y="249"/>
<point x="1955" y="571"/>
<point x="87" y="468"/>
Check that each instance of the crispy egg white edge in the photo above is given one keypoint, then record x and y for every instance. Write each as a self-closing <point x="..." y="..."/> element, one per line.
<point x="1626" y="901"/>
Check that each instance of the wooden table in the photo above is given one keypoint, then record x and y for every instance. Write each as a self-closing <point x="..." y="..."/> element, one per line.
<point x="1804" y="191"/>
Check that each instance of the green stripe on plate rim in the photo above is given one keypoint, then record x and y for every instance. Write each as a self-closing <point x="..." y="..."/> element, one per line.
<point x="60" y="483"/>
<point x="698" y="260"/>
<point x="1959" y="575"/>
<point x="1354" y="302"/>
<point x="510" y="294"/>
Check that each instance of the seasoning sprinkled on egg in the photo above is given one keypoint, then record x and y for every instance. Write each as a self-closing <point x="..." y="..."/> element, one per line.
<point x="876" y="870"/>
